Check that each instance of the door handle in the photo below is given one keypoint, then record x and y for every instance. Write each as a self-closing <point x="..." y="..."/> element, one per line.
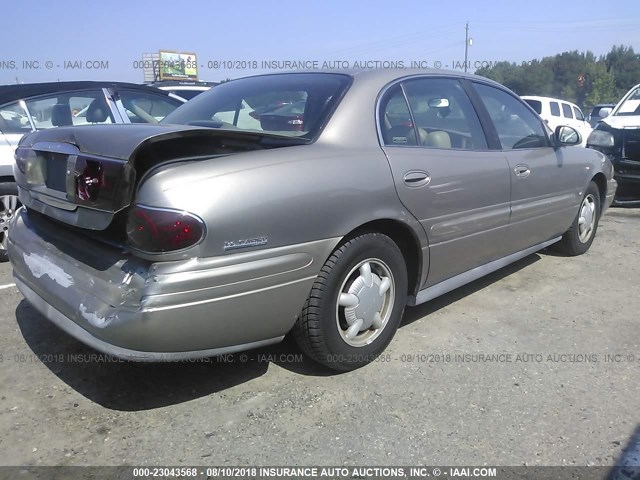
<point x="522" y="171"/>
<point x="416" y="178"/>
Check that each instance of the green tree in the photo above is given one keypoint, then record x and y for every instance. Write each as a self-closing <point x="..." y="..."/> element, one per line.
<point x="602" y="88"/>
<point x="624" y="63"/>
<point x="578" y="77"/>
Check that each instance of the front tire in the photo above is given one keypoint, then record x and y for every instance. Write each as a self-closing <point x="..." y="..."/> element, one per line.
<point x="9" y="203"/>
<point x="355" y="305"/>
<point x="580" y="235"/>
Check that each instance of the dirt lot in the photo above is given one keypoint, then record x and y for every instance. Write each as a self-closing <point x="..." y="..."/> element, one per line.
<point x="537" y="364"/>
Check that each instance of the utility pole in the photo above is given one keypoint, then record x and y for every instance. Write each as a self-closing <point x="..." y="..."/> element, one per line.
<point x="466" y="45"/>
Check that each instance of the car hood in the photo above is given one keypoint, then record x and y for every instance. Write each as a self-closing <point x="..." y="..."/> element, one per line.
<point x="621" y="122"/>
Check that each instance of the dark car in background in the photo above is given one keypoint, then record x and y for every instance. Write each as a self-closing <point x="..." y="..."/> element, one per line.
<point x="596" y="112"/>
<point x="25" y="108"/>
<point x="618" y="136"/>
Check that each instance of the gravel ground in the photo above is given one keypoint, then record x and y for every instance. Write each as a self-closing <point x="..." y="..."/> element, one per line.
<point x="536" y="364"/>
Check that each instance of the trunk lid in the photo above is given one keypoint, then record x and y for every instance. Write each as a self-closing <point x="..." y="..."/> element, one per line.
<point x="84" y="176"/>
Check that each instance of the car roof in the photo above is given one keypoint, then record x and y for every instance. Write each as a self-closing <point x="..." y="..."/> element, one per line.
<point x="383" y="75"/>
<point x="11" y="93"/>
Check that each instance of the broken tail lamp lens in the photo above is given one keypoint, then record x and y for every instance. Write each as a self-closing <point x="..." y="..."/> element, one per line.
<point x="103" y="183"/>
<point x="160" y="230"/>
<point x="90" y="181"/>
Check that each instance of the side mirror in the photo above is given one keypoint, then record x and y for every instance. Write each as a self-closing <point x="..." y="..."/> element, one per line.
<point x="566" y="135"/>
<point x="605" y="112"/>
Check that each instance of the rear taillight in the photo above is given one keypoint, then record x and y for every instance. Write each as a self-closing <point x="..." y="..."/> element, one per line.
<point x="90" y="181"/>
<point x="159" y="230"/>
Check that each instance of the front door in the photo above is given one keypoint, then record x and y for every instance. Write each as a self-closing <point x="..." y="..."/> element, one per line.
<point x="544" y="199"/>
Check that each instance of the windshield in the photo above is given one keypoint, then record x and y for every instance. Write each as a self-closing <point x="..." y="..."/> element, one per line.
<point x="631" y="104"/>
<point x="294" y="104"/>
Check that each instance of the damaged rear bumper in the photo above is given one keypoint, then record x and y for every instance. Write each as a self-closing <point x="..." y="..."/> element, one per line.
<point x="163" y="311"/>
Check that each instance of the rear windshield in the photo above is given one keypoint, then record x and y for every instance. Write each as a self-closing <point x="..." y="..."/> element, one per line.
<point x="295" y="104"/>
<point x="536" y="105"/>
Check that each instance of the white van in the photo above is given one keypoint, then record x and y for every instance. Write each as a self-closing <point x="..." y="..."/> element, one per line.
<point x="558" y="112"/>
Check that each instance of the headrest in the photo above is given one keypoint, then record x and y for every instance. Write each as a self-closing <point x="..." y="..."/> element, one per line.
<point x="98" y="111"/>
<point x="61" y="115"/>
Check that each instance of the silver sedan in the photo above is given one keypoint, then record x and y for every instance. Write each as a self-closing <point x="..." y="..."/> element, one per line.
<point x="237" y="221"/>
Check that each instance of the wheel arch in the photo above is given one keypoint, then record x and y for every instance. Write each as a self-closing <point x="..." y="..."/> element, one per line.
<point x="405" y="238"/>
<point x="601" y="182"/>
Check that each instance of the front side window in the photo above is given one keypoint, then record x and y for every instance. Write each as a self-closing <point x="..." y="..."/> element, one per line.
<point x="555" y="109"/>
<point x="296" y="104"/>
<point x="143" y="107"/>
<point x="516" y="125"/>
<point x="566" y="111"/>
<point x="89" y="108"/>
<point x="439" y="115"/>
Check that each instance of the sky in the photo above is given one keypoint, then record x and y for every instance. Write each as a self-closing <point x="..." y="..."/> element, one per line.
<point x="48" y="41"/>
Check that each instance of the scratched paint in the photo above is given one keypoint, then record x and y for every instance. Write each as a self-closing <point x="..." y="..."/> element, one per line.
<point x="41" y="266"/>
<point x="92" y="317"/>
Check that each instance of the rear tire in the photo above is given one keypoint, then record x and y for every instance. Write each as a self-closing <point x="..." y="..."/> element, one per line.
<point x="580" y="235"/>
<point x="355" y="304"/>
<point x="9" y="203"/>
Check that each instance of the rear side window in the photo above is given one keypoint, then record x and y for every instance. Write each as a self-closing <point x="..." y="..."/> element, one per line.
<point x="439" y="115"/>
<point x="69" y="108"/>
<point x="535" y="104"/>
<point x="13" y="119"/>
<point x="555" y="109"/>
<point x="395" y="119"/>
<point x="578" y="113"/>
<point x="566" y="110"/>
<point x="516" y="125"/>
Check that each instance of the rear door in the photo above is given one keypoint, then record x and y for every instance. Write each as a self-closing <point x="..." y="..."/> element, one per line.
<point x="445" y="174"/>
<point x="544" y="198"/>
